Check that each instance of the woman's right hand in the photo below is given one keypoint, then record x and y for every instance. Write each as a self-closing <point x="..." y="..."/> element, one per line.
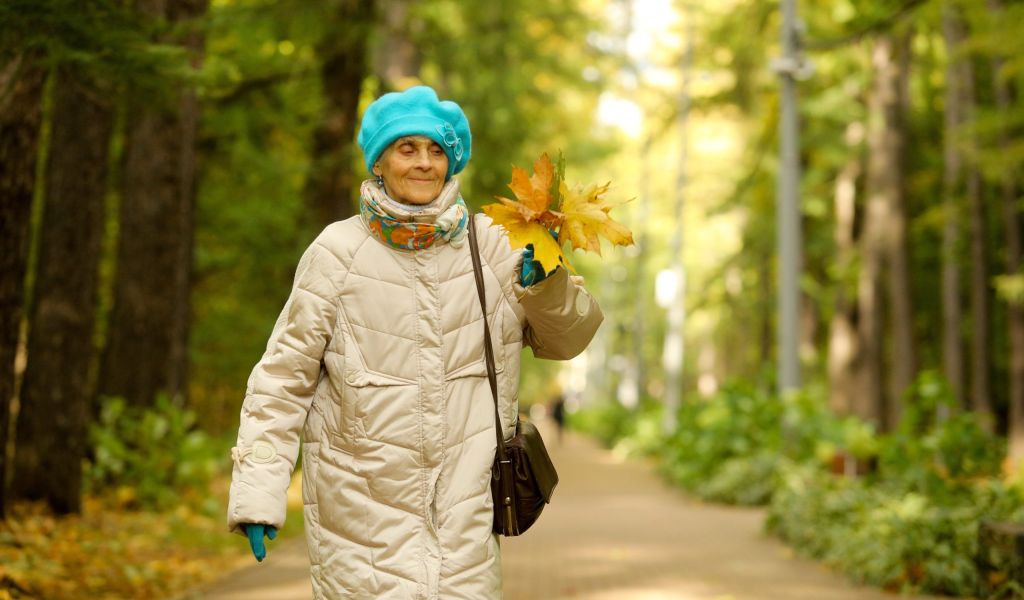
<point x="255" y="533"/>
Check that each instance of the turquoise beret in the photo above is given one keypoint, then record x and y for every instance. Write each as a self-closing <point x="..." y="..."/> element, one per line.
<point x="416" y="111"/>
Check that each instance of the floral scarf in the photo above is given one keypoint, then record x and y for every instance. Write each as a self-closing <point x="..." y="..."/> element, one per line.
<point x="409" y="227"/>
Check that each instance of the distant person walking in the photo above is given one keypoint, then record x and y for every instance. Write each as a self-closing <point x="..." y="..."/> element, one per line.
<point x="377" y="363"/>
<point x="558" y="414"/>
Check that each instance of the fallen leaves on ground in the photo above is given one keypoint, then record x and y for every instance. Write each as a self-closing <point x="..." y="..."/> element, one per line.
<point x="109" y="552"/>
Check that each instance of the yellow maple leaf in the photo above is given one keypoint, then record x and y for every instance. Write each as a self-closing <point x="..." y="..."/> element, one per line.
<point x="586" y="218"/>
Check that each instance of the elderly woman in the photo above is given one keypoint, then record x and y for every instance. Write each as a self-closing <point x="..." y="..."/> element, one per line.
<point x="377" y="359"/>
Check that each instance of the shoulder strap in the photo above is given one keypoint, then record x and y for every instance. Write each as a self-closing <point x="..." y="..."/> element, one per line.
<point x="492" y="375"/>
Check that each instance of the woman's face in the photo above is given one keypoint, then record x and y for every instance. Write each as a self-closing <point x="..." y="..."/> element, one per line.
<point x="413" y="168"/>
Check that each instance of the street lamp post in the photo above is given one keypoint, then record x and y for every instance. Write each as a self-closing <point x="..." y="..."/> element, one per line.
<point x="790" y="67"/>
<point x="673" y="355"/>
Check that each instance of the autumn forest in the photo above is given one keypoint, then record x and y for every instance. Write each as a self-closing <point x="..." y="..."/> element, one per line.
<point x="164" y="163"/>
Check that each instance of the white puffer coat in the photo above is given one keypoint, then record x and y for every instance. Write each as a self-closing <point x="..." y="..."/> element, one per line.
<point x="377" y="359"/>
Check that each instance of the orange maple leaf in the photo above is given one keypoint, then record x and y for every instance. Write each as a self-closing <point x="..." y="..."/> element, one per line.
<point x="529" y="218"/>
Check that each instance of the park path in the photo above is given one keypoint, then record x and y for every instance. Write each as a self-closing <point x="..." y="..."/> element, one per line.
<point x="615" y="530"/>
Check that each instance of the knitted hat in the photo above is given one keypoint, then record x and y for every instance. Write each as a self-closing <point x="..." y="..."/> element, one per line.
<point x="416" y="111"/>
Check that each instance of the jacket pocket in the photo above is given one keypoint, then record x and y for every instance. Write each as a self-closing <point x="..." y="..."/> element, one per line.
<point x="477" y="368"/>
<point x="373" y="406"/>
<point x="335" y="412"/>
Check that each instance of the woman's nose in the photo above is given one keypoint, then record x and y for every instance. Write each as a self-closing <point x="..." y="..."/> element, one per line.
<point x="423" y="160"/>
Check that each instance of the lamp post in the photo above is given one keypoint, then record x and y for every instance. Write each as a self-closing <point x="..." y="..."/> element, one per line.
<point x="673" y="354"/>
<point x="790" y="67"/>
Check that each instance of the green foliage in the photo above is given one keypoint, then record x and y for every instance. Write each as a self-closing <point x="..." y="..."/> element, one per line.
<point x="727" y="447"/>
<point x="1010" y="288"/>
<point x="633" y="432"/>
<point x="105" y="38"/>
<point x="539" y="102"/>
<point x="263" y="99"/>
<point x="714" y="434"/>
<point x="929" y="453"/>
<point x="886" y="535"/>
<point x="913" y="525"/>
<point x="150" y="457"/>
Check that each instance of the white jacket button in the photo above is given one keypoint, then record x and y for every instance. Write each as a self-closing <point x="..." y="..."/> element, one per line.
<point x="263" y="451"/>
<point x="582" y="303"/>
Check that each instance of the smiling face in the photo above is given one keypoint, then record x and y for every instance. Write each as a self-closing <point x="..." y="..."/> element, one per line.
<point x="413" y="168"/>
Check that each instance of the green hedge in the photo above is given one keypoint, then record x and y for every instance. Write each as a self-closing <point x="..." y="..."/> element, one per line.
<point x="886" y="534"/>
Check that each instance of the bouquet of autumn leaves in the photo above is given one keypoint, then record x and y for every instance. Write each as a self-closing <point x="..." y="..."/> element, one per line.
<point x="547" y="213"/>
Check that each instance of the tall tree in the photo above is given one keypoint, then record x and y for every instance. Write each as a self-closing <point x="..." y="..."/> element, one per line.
<point x="883" y="185"/>
<point x="894" y="105"/>
<point x="952" y="314"/>
<point x="332" y="182"/>
<point x="1008" y="190"/>
<point x="981" y="339"/>
<point x="147" y="339"/>
<point x="398" y="59"/>
<point x="21" y="93"/>
<point x="51" y="427"/>
<point x="884" y="255"/>
<point x="844" y="343"/>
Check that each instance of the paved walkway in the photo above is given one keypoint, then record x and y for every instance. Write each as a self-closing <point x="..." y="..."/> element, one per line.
<point x="613" y="531"/>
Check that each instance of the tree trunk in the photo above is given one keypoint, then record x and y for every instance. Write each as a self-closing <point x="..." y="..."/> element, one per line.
<point x="844" y="345"/>
<point x="952" y="352"/>
<point x="398" y="59"/>
<point x="981" y="357"/>
<point x="51" y="428"/>
<point x="147" y="339"/>
<point x="332" y="185"/>
<point x="884" y="196"/>
<point x="1012" y="224"/>
<point x="21" y="95"/>
<point x="892" y="188"/>
<point x="766" y="329"/>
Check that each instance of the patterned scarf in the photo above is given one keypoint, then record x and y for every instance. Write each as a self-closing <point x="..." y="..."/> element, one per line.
<point x="408" y="227"/>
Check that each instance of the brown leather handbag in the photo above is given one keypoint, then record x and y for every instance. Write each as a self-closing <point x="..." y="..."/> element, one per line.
<point x="522" y="476"/>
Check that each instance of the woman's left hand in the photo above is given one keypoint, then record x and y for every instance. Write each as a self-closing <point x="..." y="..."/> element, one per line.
<point x="255" y="533"/>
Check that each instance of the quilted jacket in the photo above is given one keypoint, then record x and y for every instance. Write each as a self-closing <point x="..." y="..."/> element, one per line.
<point x="376" y="364"/>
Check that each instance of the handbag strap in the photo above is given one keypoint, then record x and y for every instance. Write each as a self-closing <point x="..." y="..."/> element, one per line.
<point x="492" y="375"/>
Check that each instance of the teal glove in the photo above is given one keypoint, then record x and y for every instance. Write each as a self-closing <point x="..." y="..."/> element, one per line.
<point x="255" y="532"/>
<point x="532" y="271"/>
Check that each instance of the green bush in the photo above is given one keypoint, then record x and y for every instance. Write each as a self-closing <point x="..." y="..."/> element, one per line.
<point x="630" y="431"/>
<point x="928" y="452"/>
<point x="149" y="456"/>
<point x="913" y="524"/>
<point x="883" y="534"/>
<point x="726" y="447"/>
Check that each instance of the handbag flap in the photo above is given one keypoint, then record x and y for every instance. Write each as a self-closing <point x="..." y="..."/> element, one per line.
<point x="528" y="442"/>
